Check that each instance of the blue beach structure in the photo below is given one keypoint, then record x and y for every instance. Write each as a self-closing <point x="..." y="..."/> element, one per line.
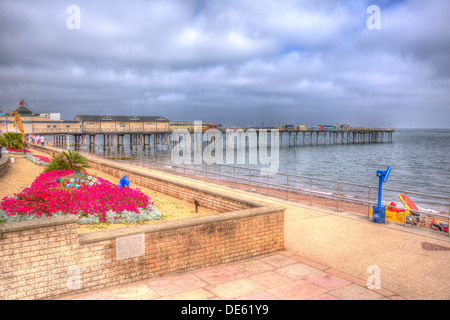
<point x="379" y="211"/>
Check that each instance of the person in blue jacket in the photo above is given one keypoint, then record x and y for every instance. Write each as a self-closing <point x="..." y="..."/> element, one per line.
<point x="124" y="182"/>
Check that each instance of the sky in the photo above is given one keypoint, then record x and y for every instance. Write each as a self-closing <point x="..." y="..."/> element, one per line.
<point x="231" y="62"/>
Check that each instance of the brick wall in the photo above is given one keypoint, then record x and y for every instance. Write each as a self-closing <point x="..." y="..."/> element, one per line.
<point x="35" y="256"/>
<point x="44" y="259"/>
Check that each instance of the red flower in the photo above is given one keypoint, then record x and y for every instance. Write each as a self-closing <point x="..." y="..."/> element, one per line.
<point x="47" y="196"/>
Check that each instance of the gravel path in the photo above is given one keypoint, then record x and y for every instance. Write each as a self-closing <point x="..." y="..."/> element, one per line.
<point x="20" y="175"/>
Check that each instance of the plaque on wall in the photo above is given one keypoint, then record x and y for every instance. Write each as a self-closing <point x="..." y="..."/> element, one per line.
<point x="130" y="246"/>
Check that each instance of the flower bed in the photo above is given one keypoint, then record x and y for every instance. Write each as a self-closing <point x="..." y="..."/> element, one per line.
<point x="18" y="151"/>
<point x="37" y="159"/>
<point x="52" y="194"/>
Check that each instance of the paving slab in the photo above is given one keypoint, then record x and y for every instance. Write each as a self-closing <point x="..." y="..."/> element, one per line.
<point x="271" y="279"/>
<point x="254" y="266"/>
<point x="328" y="281"/>
<point x="101" y="295"/>
<point x="259" y="296"/>
<point x="355" y="292"/>
<point x="139" y="291"/>
<point x="236" y="288"/>
<point x="169" y="285"/>
<point x="297" y="271"/>
<point x="198" y="294"/>
<point x="278" y="261"/>
<point x="325" y="297"/>
<point x="297" y="290"/>
<point x="222" y="274"/>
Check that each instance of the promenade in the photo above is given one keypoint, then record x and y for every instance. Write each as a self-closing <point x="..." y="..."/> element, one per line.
<point x="327" y="255"/>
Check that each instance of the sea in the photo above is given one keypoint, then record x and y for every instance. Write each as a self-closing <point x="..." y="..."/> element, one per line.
<point x="419" y="161"/>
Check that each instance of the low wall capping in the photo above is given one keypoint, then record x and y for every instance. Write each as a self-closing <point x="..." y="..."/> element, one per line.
<point x="36" y="224"/>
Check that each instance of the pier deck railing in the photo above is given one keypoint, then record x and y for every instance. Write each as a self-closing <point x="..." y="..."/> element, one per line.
<point x="344" y="196"/>
<point x="365" y="132"/>
<point x="99" y="131"/>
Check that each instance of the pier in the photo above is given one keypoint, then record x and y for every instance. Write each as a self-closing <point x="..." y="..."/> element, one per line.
<point x="348" y="136"/>
<point x="240" y="137"/>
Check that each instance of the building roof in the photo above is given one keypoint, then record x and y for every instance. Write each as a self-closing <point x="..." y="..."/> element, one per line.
<point x="25" y="111"/>
<point x="121" y="118"/>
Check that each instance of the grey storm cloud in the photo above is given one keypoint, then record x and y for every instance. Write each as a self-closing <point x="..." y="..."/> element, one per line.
<point x="271" y="61"/>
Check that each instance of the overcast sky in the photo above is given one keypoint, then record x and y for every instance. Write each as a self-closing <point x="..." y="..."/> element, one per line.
<point x="230" y="61"/>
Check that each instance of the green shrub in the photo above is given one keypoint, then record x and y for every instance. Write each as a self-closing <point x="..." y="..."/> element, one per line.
<point x="76" y="161"/>
<point x="11" y="140"/>
<point x="68" y="161"/>
<point x="58" y="162"/>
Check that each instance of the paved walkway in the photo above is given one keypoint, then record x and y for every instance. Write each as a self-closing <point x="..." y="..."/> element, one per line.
<point x="276" y="276"/>
<point x="328" y="255"/>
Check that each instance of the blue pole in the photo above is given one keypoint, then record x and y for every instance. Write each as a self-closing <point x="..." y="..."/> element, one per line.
<point x="380" y="191"/>
<point x="379" y="211"/>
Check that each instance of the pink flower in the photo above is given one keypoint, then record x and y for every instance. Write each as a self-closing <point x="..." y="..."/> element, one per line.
<point x="42" y="158"/>
<point x="18" y="150"/>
